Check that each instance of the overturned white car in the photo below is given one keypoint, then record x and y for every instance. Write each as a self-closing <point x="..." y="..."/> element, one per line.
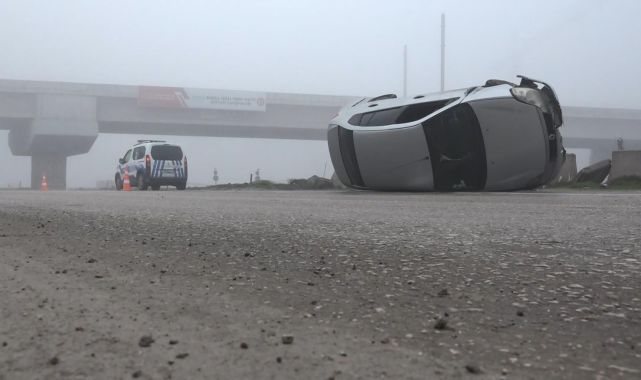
<point x="496" y="137"/>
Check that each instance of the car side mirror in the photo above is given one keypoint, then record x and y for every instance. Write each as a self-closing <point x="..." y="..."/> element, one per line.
<point x="122" y="161"/>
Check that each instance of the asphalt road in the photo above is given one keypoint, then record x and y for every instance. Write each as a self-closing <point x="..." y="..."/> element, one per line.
<point x="215" y="284"/>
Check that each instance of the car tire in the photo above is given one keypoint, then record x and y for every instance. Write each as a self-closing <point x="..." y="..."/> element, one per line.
<point x="181" y="186"/>
<point x="141" y="183"/>
<point x="155" y="187"/>
<point x="118" y="182"/>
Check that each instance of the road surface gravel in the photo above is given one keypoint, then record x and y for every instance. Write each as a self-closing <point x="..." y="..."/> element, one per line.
<point x="319" y="285"/>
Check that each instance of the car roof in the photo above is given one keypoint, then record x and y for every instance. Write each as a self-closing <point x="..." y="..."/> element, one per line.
<point x="153" y="143"/>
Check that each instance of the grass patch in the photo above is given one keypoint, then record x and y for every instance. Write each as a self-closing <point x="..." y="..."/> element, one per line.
<point x="623" y="183"/>
<point x="263" y="184"/>
<point x="312" y="183"/>
<point x="626" y="183"/>
<point x="584" y="185"/>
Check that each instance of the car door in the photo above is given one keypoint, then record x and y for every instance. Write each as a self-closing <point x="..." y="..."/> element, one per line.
<point x="137" y="162"/>
<point x="128" y="163"/>
<point x="123" y="163"/>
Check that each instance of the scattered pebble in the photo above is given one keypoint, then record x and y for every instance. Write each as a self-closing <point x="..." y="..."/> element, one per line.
<point x="441" y="324"/>
<point x="145" y="341"/>
<point x="473" y="368"/>
<point x="287" y="339"/>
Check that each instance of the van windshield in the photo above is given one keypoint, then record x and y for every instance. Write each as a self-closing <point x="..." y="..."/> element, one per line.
<point x="457" y="150"/>
<point x="166" y="152"/>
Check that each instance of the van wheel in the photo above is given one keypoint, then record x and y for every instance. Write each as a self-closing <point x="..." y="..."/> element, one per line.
<point x="140" y="182"/>
<point x="181" y="186"/>
<point x="155" y="187"/>
<point x="118" y="182"/>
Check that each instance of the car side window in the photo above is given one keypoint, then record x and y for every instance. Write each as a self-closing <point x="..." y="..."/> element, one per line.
<point x="139" y="152"/>
<point x="127" y="156"/>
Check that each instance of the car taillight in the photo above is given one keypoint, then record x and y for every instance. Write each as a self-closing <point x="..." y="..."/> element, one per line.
<point x="185" y="165"/>
<point x="148" y="165"/>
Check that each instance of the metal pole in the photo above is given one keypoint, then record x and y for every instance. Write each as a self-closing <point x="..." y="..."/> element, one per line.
<point x="442" y="51"/>
<point x="405" y="71"/>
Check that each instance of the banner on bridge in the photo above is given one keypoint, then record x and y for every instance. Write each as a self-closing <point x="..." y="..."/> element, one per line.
<point x="178" y="97"/>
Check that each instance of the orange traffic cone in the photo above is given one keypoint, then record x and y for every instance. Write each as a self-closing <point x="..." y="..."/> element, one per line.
<point x="43" y="184"/>
<point x="126" y="186"/>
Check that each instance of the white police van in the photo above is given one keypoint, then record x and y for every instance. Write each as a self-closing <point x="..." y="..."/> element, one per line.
<point x="153" y="163"/>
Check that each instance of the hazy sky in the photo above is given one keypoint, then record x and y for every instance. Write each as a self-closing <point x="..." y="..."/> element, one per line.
<point x="588" y="49"/>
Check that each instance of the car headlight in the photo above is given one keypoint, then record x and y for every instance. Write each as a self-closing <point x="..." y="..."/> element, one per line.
<point x="529" y="96"/>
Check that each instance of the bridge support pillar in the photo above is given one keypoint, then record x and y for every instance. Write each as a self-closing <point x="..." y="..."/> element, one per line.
<point x="65" y="125"/>
<point x="52" y="166"/>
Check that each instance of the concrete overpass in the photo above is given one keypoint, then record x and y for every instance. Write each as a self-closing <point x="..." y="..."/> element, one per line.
<point x="50" y="121"/>
<point x="598" y="129"/>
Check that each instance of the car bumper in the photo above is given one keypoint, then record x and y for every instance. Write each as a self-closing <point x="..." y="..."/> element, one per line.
<point x="166" y="181"/>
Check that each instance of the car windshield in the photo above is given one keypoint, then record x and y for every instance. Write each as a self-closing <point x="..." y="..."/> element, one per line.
<point x="456" y="150"/>
<point x="398" y="115"/>
<point x="166" y="152"/>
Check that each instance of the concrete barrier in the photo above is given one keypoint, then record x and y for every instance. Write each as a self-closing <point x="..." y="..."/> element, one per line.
<point x="625" y="163"/>
<point x="567" y="174"/>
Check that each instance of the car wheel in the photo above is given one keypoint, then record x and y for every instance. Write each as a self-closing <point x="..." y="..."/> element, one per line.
<point x="118" y="182"/>
<point x="141" y="183"/>
<point x="181" y="186"/>
<point x="155" y="187"/>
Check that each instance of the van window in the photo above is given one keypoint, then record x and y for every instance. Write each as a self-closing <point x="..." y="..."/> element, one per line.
<point x="457" y="150"/>
<point x="127" y="156"/>
<point x="166" y="152"/>
<point x="139" y="153"/>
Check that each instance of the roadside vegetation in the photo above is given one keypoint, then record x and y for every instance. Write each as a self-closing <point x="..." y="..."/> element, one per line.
<point x="312" y="183"/>
<point x="624" y="183"/>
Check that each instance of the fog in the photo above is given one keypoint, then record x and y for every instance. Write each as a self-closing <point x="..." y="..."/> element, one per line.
<point x="589" y="51"/>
